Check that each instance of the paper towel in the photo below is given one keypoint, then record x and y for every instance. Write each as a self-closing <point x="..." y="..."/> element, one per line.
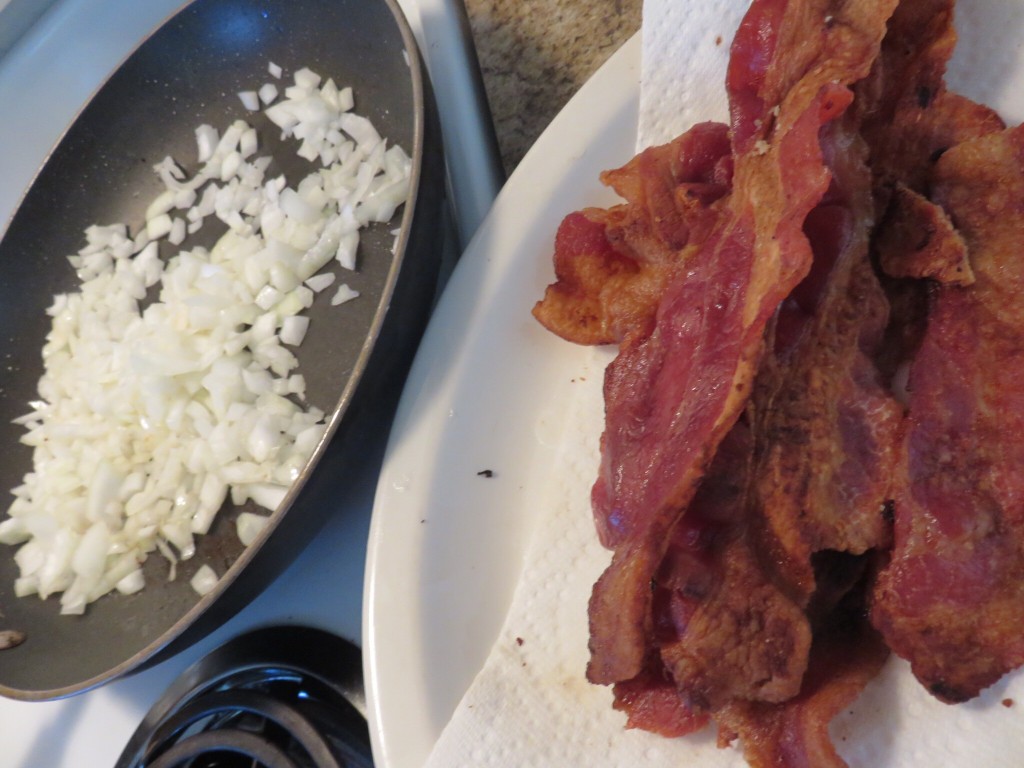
<point x="682" y="73"/>
<point x="530" y="706"/>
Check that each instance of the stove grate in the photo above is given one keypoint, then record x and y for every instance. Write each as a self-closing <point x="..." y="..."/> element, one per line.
<point x="282" y="697"/>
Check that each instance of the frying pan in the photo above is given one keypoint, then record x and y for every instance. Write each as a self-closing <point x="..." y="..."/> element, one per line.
<point x="354" y="358"/>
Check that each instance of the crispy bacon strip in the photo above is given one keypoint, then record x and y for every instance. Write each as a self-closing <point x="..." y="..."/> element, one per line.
<point x="949" y="562"/>
<point x="826" y="431"/>
<point x="952" y="598"/>
<point x="723" y="629"/>
<point x="917" y="239"/>
<point x="671" y="398"/>
<point x="611" y="265"/>
<point x="826" y="425"/>
<point x="909" y="119"/>
<point x="909" y="116"/>
<point x="652" y="703"/>
<point x="795" y="734"/>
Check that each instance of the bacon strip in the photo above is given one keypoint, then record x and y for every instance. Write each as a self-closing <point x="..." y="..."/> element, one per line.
<point x="826" y="425"/>
<point x="652" y="703"/>
<point x="672" y="397"/>
<point x="917" y="239"/>
<point x="751" y="444"/>
<point x="910" y="119"/>
<point x="952" y="598"/>
<point x="795" y="734"/>
<point x="944" y="601"/>
<point x="723" y="629"/>
<point x="611" y="265"/>
<point x="909" y="116"/>
<point x="826" y="432"/>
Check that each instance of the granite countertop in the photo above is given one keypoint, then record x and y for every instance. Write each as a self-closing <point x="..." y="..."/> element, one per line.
<point x="535" y="54"/>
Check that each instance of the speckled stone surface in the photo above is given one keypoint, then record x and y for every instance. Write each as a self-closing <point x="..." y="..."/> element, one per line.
<point x="535" y="54"/>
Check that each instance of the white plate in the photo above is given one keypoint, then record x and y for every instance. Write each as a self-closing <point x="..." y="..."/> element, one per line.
<point x="446" y="542"/>
<point x="487" y="392"/>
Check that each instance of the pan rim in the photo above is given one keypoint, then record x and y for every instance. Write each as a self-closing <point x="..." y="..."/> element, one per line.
<point x="166" y="638"/>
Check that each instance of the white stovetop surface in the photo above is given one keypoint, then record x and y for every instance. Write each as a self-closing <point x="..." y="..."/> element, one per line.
<point x="51" y="61"/>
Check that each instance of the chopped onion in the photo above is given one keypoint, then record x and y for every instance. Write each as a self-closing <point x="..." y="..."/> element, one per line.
<point x="267" y="93"/>
<point x="250" y="100"/>
<point x="343" y="294"/>
<point x="249" y="525"/>
<point x="293" y="330"/>
<point x="306" y="78"/>
<point x="178" y="232"/>
<point x="132" y="583"/>
<point x="204" y="580"/>
<point x="158" y="226"/>
<point x="152" y="413"/>
<point x="321" y="282"/>
<point x="206" y="141"/>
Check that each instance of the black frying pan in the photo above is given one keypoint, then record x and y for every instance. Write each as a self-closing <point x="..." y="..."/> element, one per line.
<point x="187" y="73"/>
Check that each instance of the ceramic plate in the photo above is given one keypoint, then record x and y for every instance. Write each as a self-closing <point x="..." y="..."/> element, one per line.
<point x="470" y="457"/>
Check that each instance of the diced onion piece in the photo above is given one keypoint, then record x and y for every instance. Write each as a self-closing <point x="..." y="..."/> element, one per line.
<point x="14" y="530"/>
<point x="250" y="100"/>
<point x="346" y="253"/>
<point x="178" y="232"/>
<point x="307" y="78"/>
<point x="293" y="329"/>
<point x="206" y="142"/>
<point x="132" y="583"/>
<point x="267" y="93"/>
<point x="162" y="204"/>
<point x="343" y="294"/>
<point x="248" y="144"/>
<point x="321" y="282"/>
<point x="267" y="495"/>
<point x="205" y="580"/>
<point x="249" y="525"/>
<point x="158" y="226"/>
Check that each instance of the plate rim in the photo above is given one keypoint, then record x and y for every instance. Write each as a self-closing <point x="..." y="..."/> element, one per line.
<point x="395" y="550"/>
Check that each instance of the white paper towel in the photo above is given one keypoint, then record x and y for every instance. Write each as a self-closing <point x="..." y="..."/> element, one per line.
<point x="530" y="706"/>
<point x="682" y="74"/>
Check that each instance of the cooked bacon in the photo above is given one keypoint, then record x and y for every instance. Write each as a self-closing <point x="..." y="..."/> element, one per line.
<point x="829" y="438"/>
<point x="754" y="462"/>
<point x="652" y="703"/>
<point x="795" y="734"/>
<point x="723" y="629"/>
<point x="673" y="185"/>
<point x="909" y="120"/>
<point x="672" y="397"/>
<point x="917" y="239"/>
<point x="909" y="116"/>
<point x="944" y="600"/>
<point x="826" y="426"/>
<point x="587" y="267"/>
<point x="952" y="598"/>
<point x="612" y="265"/>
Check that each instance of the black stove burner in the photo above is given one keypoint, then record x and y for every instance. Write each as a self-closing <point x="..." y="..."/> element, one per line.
<point x="282" y="697"/>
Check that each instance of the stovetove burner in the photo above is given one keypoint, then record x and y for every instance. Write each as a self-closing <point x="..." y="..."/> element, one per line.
<point x="280" y="697"/>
